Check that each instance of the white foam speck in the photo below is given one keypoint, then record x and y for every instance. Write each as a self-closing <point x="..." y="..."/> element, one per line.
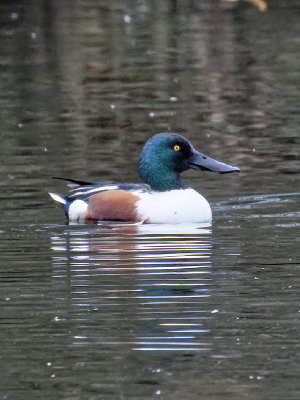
<point x="127" y="19"/>
<point x="14" y="16"/>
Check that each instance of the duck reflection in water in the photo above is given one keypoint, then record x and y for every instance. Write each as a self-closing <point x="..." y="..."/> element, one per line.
<point x="146" y="287"/>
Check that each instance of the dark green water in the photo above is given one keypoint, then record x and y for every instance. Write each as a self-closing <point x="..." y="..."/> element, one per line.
<point x="149" y="312"/>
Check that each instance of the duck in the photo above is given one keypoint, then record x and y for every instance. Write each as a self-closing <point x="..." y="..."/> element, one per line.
<point x="163" y="198"/>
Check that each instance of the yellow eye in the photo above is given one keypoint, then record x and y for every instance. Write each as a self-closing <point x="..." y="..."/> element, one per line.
<point x="176" y="147"/>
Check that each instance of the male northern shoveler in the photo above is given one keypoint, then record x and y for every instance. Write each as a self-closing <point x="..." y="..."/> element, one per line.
<point x="163" y="198"/>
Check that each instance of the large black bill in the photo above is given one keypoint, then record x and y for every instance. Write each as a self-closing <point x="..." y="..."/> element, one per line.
<point x="201" y="162"/>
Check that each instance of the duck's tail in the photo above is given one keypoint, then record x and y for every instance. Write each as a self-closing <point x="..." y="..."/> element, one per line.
<point x="64" y="201"/>
<point x="74" y="209"/>
<point x="58" y="198"/>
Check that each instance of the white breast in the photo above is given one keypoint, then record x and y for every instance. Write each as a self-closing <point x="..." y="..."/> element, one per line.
<point x="174" y="207"/>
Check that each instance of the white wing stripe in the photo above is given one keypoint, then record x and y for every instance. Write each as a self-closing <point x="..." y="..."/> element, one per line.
<point x="95" y="190"/>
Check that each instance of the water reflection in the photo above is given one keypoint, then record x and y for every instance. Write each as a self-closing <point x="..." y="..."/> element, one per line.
<point x="147" y="287"/>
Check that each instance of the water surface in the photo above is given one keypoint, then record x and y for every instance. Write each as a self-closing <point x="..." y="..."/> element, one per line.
<point x="149" y="312"/>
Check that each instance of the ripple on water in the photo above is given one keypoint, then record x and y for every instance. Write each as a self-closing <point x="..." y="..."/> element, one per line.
<point x="280" y="210"/>
<point x="154" y="281"/>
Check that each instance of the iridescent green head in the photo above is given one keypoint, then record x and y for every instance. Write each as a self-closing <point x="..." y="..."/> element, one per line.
<point x="166" y="155"/>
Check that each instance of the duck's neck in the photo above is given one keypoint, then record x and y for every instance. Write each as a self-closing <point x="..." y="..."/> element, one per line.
<point x="160" y="178"/>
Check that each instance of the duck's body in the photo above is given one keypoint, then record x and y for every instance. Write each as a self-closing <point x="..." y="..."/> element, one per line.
<point x="165" y="198"/>
<point x="138" y="205"/>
